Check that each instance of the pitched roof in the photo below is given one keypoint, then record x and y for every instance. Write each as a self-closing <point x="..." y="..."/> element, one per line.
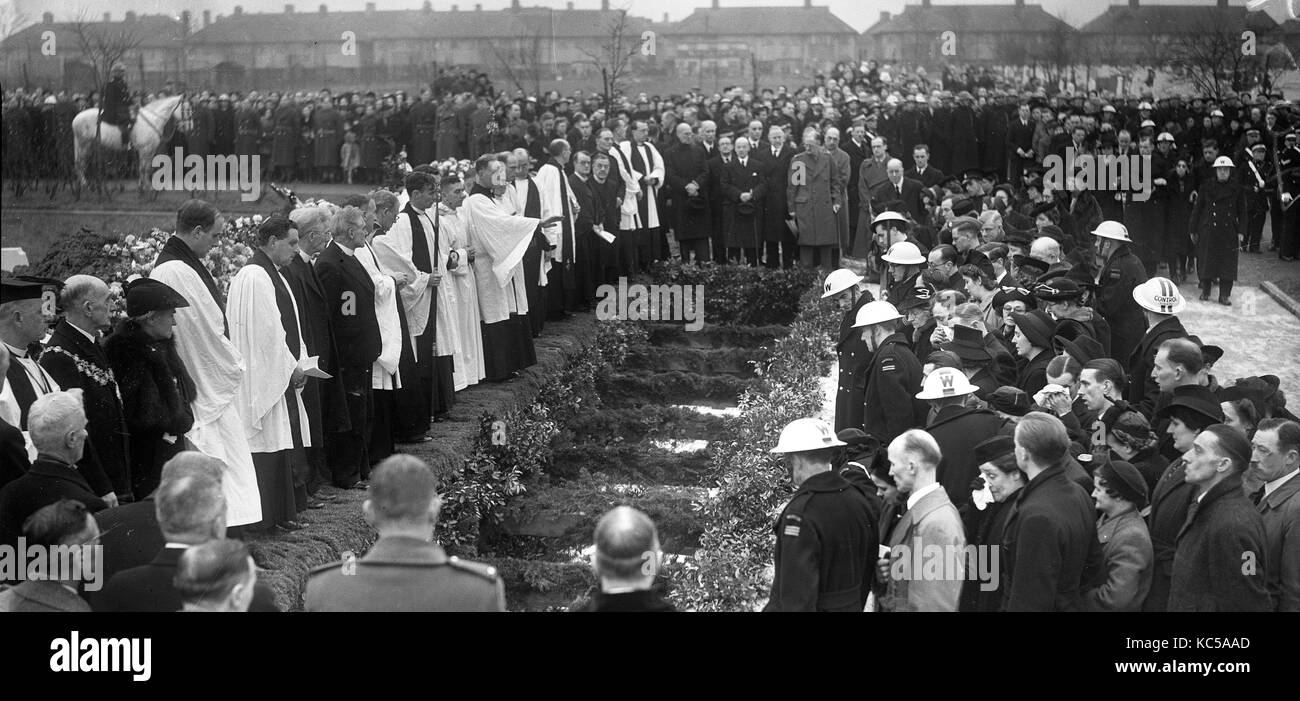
<point x="980" y="18"/>
<point x="1177" y="19"/>
<point x="763" y="21"/>
<point x="250" y="28"/>
<point x="153" y="31"/>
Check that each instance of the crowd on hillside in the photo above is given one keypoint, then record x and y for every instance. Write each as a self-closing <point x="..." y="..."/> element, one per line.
<point x="1014" y="306"/>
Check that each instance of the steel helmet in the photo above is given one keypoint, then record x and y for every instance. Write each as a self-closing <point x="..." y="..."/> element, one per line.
<point x="1223" y="162"/>
<point x="839" y="281"/>
<point x="806" y="434"/>
<point x="1159" y="295"/>
<point x="888" y="215"/>
<point x="904" y="253"/>
<point x="944" y="383"/>
<point x="875" y="313"/>
<point x="1112" y="230"/>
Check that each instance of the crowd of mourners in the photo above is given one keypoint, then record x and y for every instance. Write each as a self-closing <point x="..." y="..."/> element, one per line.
<point x="1013" y="372"/>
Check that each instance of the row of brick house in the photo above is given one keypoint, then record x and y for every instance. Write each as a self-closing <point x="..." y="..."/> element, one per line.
<point x="553" y="48"/>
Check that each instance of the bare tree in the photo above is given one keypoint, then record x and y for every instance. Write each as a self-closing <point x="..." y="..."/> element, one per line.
<point x="613" y="58"/>
<point x="1211" y="55"/>
<point x="521" y="60"/>
<point x="102" y="46"/>
<point x="753" y="70"/>
<point x="12" y="19"/>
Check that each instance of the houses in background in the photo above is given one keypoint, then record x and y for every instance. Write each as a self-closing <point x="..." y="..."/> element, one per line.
<point x="543" y="48"/>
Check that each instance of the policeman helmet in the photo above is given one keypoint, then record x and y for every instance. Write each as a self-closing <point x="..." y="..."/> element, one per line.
<point x="944" y="383"/>
<point x="1159" y="295"/>
<point x="839" y="281"/>
<point x="806" y="434"/>
<point x="904" y="253"/>
<point x="876" y="312"/>
<point x="1112" y="230"/>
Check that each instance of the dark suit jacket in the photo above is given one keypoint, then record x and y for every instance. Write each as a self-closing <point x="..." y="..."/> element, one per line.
<point x="739" y="226"/>
<point x="1210" y="564"/>
<point x="13" y="453"/>
<point x="957" y="429"/>
<point x="21" y="386"/>
<point x="318" y="335"/>
<point x="910" y="196"/>
<point x="149" y="588"/>
<point x="684" y="164"/>
<point x="350" y="296"/>
<point x="775" y="207"/>
<point x="1143" y="392"/>
<point x="47" y="481"/>
<point x="931" y="177"/>
<point x="130" y="536"/>
<point x="76" y="361"/>
<point x="1050" y="544"/>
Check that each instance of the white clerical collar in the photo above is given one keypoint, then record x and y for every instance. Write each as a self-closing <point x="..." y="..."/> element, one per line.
<point x="916" y="495"/>
<point x="84" y="332"/>
<point x="1270" y="487"/>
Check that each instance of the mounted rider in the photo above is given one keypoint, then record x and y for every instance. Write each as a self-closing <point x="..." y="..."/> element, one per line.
<point x="117" y="104"/>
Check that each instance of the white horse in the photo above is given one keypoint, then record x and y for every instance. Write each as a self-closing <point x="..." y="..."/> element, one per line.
<point x="147" y="134"/>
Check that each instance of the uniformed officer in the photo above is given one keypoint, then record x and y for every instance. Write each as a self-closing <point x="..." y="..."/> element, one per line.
<point x="845" y="287"/>
<point x="826" y="539"/>
<point x="405" y="570"/>
<point x="1119" y="272"/>
<point x="890" y="405"/>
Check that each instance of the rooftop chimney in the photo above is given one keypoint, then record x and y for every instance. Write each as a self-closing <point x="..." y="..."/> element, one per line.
<point x="478" y="7"/>
<point x="238" y="10"/>
<point x="1223" y="3"/>
<point x="715" y="4"/>
<point x="604" y="5"/>
<point x="925" y="3"/>
<point x="370" y="8"/>
<point x="455" y="8"/>
<point x="514" y="4"/>
<point x="1020" y="3"/>
<point x="807" y="3"/>
<point x="185" y="23"/>
<point x="207" y="17"/>
<point x="428" y="6"/>
<point x="324" y="10"/>
<point x="108" y="17"/>
<point x="1133" y="3"/>
<point x="47" y="18"/>
<point x="884" y="17"/>
<point x="665" y="18"/>
<point x="568" y="6"/>
<point x="288" y="9"/>
<point x="130" y="16"/>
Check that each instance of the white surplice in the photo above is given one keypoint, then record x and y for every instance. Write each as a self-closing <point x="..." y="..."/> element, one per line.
<point x="258" y="335"/>
<point x="500" y="238"/>
<point x="549" y="185"/>
<point x="469" y="366"/>
<point x="217" y="369"/>
<point x="384" y="372"/>
<point x="395" y="250"/>
<point x="653" y="163"/>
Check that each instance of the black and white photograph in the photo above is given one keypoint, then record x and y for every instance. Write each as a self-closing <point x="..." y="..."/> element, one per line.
<point x="694" y="306"/>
